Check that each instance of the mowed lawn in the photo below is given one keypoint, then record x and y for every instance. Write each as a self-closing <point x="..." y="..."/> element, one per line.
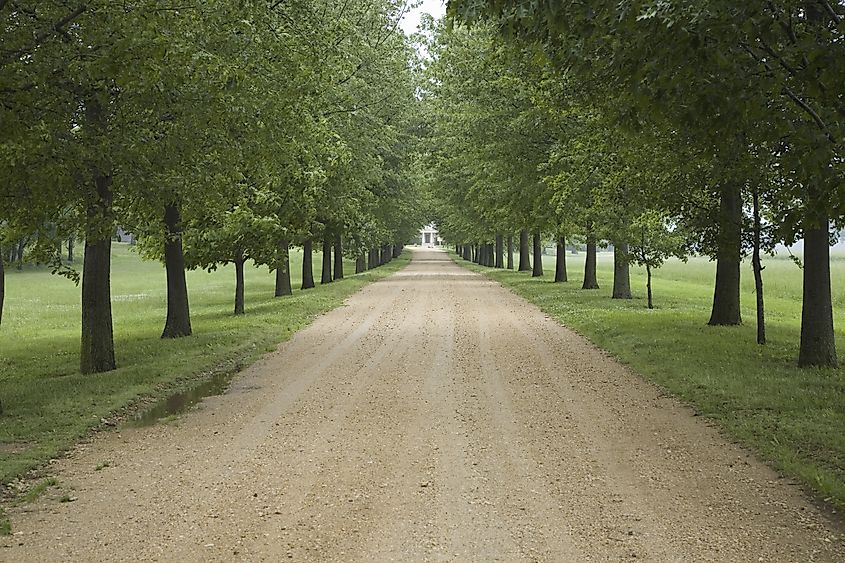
<point x="793" y="418"/>
<point x="47" y="404"/>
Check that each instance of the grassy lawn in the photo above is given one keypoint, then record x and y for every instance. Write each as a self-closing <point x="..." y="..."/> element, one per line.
<point x="794" y="419"/>
<point x="48" y="405"/>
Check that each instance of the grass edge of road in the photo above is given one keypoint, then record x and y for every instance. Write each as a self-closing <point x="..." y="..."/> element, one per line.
<point x="765" y="403"/>
<point x="180" y="365"/>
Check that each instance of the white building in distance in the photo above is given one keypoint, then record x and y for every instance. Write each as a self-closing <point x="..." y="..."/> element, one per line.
<point x="429" y="237"/>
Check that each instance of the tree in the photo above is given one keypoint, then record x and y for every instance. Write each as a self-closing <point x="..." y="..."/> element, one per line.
<point x="654" y="243"/>
<point x="772" y="80"/>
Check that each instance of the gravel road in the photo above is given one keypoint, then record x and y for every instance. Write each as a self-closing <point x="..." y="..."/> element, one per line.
<point x="434" y="417"/>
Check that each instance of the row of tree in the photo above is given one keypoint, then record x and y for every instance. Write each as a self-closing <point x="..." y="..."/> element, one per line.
<point x="662" y="128"/>
<point x="216" y="132"/>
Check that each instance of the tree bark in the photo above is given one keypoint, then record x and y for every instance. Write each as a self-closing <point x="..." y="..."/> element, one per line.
<point x="590" y="279"/>
<point x="97" y="346"/>
<point x="757" y="266"/>
<point x="538" y="256"/>
<point x="283" y="286"/>
<point x="510" y="252"/>
<point x="560" y="261"/>
<point x="818" y="343"/>
<point x="648" y="285"/>
<point x="70" y="242"/>
<point x="178" y="322"/>
<point x="361" y="264"/>
<point x="338" y="256"/>
<point x="97" y="341"/>
<point x="726" y="292"/>
<point x="307" y="267"/>
<point x="239" y="281"/>
<point x="2" y="284"/>
<point x="524" y="260"/>
<point x="621" y="272"/>
<point x="326" y="273"/>
<point x="21" y="248"/>
<point x="500" y="249"/>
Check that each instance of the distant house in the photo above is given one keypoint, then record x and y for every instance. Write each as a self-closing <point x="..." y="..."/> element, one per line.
<point x="429" y="237"/>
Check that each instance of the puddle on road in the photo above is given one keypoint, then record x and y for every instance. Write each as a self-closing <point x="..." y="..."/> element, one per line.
<point x="183" y="400"/>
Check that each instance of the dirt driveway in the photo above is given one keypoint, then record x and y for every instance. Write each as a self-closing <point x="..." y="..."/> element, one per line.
<point x="435" y="416"/>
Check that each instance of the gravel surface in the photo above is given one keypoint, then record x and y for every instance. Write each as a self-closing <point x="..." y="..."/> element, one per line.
<point x="434" y="417"/>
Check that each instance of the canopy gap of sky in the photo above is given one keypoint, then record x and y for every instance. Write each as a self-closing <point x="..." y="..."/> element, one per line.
<point x="411" y="20"/>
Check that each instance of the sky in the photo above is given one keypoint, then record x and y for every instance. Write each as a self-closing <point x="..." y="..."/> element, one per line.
<point x="434" y="7"/>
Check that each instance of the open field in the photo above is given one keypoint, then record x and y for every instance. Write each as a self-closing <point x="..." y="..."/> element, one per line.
<point x="794" y="419"/>
<point x="48" y="404"/>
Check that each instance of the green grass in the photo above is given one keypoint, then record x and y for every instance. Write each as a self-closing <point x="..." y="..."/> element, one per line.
<point x="48" y="405"/>
<point x="36" y="491"/>
<point x="793" y="418"/>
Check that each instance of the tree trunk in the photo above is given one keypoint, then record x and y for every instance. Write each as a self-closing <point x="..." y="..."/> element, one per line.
<point x="178" y="321"/>
<point x="361" y="264"/>
<point x="307" y="269"/>
<point x="239" y="281"/>
<point x="726" y="292"/>
<point x="621" y="272"/>
<point x="757" y="266"/>
<point x="397" y="250"/>
<point x="21" y="248"/>
<point x="818" y="344"/>
<point x="590" y="279"/>
<point x="283" y="286"/>
<point x="560" y="261"/>
<point x="326" y="273"/>
<point x="97" y="342"/>
<point x="338" y="256"/>
<point x="70" y="242"/>
<point x="2" y="284"/>
<point x="648" y="285"/>
<point x="97" y="347"/>
<point x="524" y="260"/>
<point x="500" y="249"/>
<point x="510" y="252"/>
<point x="538" y="256"/>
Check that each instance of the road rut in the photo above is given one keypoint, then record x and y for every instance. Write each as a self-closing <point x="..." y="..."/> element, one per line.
<point x="434" y="417"/>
